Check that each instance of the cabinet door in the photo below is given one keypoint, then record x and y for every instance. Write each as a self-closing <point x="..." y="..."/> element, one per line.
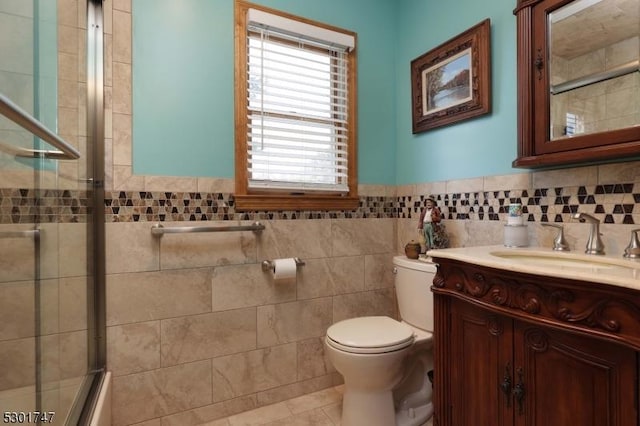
<point x="570" y="379"/>
<point x="549" y="129"/>
<point x="481" y="361"/>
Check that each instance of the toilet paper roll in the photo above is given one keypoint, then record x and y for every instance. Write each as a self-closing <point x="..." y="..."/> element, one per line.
<point x="284" y="269"/>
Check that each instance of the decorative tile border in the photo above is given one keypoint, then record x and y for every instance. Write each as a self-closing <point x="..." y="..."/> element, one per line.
<point x="612" y="204"/>
<point x="154" y="206"/>
<point x="43" y="206"/>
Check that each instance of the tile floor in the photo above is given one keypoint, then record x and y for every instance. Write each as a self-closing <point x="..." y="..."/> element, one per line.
<point x="320" y="408"/>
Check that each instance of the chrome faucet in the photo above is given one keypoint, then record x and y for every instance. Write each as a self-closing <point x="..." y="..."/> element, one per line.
<point x="594" y="243"/>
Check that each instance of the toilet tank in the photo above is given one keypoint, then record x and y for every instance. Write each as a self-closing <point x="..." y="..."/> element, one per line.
<point x="413" y="279"/>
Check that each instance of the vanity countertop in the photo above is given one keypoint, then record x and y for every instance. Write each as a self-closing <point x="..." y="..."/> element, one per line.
<point x="604" y="269"/>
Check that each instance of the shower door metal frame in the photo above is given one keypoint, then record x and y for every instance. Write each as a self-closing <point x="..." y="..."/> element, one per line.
<point x="82" y="412"/>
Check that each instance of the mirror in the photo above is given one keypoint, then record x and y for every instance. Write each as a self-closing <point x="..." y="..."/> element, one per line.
<point x="594" y="58"/>
<point x="578" y="81"/>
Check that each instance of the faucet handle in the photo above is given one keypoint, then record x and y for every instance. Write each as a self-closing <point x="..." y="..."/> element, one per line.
<point x="594" y="242"/>
<point x="559" y="243"/>
<point x="633" y="249"/>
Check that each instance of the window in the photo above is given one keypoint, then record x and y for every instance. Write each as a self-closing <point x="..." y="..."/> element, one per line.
<point x="295" y="113"/>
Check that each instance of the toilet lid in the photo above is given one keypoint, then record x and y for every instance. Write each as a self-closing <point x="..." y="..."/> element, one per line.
<point x="370" y="335"/>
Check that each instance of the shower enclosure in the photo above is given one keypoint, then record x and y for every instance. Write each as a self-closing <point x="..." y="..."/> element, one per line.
<point x="51" y="210"/>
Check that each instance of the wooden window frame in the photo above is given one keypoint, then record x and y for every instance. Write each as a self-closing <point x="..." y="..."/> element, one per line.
<point x="250" y="199"/>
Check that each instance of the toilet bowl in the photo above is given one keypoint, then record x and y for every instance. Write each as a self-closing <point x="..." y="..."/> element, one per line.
<point x="385" y="362"/>
<point x="371" y="370"/>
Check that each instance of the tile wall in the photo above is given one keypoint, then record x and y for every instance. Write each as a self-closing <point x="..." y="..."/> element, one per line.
<point x="197" y="331"/>
<point x="195" y="315"/>
<point x="475" y="209"/>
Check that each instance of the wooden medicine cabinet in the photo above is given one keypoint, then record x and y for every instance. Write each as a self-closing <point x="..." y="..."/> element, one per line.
<point x="578" y="81"/>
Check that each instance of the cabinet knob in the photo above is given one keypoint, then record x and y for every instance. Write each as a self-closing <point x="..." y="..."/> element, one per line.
<point x="519" y="391"/>
<point x="505" y="386"/>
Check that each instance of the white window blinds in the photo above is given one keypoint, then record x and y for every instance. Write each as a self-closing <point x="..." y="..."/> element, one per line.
<point x="297" y="111"/>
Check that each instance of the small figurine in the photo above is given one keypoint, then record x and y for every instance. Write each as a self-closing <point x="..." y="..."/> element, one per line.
<point x="429" y="217"/>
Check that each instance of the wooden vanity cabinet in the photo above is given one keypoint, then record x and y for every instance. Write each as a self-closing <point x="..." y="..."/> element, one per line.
<point x="516" y="349"/>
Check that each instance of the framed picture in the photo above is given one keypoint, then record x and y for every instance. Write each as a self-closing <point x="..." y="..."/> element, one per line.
<point x="453" y="81"/>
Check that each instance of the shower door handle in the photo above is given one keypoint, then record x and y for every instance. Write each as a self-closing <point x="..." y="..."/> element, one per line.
<point x="25" y="120"/>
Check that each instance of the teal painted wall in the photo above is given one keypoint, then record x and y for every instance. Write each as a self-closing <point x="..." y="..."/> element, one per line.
<point x="183" y="83"/>
<point x="477" y="147"/>
<point x="183" y="87"/>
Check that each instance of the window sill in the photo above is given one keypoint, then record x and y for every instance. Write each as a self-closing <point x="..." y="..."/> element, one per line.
<point x="295" y="202"/>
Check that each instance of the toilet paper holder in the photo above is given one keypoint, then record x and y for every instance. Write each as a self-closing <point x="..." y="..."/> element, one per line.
<point x="268" y="265"/>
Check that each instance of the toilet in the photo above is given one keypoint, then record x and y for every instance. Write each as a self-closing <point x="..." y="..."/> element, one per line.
<point x="385" y="363"/>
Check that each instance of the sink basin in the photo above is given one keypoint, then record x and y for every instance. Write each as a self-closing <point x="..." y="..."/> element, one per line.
<point x="568" y="261"/>
<point x="607" y="269"/>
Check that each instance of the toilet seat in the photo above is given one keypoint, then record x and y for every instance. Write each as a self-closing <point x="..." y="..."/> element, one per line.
<point x="370" y="335"/>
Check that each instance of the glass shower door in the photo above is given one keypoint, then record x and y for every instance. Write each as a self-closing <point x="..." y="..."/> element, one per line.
<point x="19" y="233"/>
<point x="47" y="321"/>
<point x="18" y="275"/>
